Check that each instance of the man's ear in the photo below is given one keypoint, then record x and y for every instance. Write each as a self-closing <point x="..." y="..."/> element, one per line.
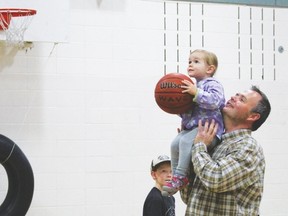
<point x="254" y="116"/>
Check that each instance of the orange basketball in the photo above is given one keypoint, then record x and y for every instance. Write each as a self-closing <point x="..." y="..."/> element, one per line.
<point x="168" y="94"/>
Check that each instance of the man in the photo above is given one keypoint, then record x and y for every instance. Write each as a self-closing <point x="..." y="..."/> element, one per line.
<point x="155" y="204"/>
<point x="230" y="181"/>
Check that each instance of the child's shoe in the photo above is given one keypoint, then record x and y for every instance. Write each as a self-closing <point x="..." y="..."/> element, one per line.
<point x="176" y="183"/>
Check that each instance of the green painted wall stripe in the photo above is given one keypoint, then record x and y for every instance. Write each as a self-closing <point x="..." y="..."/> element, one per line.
<point x="263" y="3"/>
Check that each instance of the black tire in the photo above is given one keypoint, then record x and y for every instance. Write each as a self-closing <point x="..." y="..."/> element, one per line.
<point x="20" y="179"/>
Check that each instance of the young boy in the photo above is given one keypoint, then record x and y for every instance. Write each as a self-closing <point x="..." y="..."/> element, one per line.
<point x="208" y="101"/>
<point x="155" y="204"/>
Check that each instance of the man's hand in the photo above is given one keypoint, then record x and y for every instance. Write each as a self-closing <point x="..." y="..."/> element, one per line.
<point x="206" y="133"/>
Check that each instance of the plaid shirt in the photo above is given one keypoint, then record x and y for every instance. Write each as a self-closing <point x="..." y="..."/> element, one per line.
<point x="230" y="182"/>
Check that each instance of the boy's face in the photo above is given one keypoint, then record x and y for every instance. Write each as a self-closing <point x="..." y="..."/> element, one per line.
<point x="163" y="174"/>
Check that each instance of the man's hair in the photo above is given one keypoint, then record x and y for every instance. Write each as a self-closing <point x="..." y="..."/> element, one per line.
<point x="263" y="108"/>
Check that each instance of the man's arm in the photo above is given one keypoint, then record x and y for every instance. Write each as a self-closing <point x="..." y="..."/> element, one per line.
<point x="233" y="170"/>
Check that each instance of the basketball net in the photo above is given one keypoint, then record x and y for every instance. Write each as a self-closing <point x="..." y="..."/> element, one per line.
<point x="14" y="23"/>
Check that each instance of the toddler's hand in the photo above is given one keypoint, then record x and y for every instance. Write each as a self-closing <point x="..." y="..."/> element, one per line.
<point x="189" y="87"/>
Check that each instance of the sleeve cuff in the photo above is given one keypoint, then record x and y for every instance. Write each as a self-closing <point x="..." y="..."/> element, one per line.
<point x="199" y="147"/>
<point x="197" y="94"/>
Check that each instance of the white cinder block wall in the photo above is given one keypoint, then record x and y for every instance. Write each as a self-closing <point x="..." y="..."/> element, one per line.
<point x="84" y="114"/>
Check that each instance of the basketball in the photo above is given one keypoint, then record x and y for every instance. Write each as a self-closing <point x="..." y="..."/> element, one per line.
<point x="168" y="94"/>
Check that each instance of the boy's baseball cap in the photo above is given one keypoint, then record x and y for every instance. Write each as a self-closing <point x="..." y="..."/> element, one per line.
<point x="158" y="160"/>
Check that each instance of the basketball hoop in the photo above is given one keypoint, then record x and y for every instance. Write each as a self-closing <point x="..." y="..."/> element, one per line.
<point x="14" y="22"/>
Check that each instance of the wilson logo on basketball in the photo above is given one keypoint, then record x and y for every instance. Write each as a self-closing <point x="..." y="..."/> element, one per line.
<point x="167" y="85"/>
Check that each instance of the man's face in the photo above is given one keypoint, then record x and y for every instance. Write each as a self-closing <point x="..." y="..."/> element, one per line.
<point x="239" y="106"/>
